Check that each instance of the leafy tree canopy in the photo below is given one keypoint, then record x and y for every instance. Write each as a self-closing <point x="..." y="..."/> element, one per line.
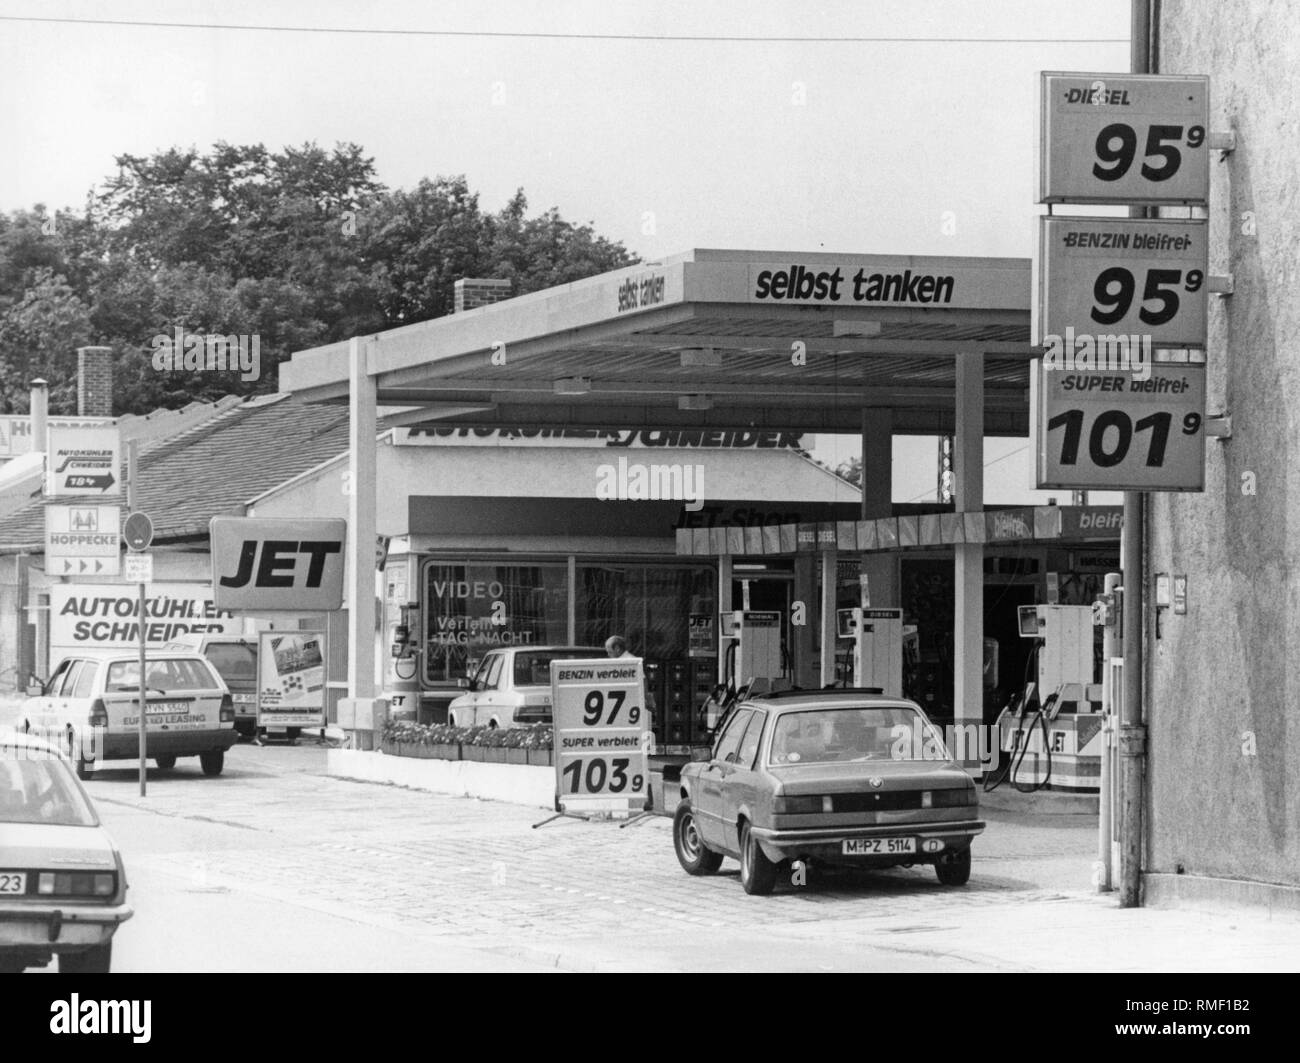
<point x="300" y="247"/>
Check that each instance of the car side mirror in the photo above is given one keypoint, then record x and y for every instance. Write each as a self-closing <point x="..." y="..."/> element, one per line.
<point x="464" y="684"/>
<point x="35" y="690"/>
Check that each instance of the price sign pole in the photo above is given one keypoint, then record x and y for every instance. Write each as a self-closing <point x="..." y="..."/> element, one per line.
<point x="138" y="534"/>
<point x="602" y="735"/>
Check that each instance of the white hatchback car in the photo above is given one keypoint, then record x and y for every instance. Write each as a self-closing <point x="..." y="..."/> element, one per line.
<point x="90" y="708"/>
<point x="512" y="687"/>
<point x="62" y="883"/>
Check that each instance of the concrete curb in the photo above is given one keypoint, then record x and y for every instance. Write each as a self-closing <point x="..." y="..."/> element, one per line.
<point x="1043" y="802"/>
<point x="1222" y="895"/>
<point x="519" y="784"/>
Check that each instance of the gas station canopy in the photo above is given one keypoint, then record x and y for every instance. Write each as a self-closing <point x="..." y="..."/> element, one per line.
<point x="713" y="339"/>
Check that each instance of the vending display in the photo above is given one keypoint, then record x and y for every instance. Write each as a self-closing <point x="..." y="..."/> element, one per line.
<point x="679" y="689"/>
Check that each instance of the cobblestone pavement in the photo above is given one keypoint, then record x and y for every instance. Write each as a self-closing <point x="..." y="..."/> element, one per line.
<point x="589" y="895"/>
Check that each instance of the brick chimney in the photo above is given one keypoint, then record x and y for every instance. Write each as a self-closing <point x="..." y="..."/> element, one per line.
<point x="94" y="381"/>
<point x="473" y="292"/>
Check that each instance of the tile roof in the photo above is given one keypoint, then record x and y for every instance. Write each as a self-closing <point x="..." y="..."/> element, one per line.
<point x="214" y="468"/>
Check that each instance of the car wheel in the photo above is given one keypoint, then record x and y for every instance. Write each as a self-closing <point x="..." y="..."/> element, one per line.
<point x="165" y="763"/>
<point x="953" y="869"/>
<point x="757" y="872"/>
<point x="694" y="856"/>
<point x="93" y="961"/>
<point x="213" y="762"/>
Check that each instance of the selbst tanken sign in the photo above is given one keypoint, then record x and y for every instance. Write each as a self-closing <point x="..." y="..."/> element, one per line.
<point x="274" y="565"/>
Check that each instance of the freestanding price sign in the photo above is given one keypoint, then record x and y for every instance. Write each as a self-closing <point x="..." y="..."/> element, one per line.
<point x="602" y="732"/>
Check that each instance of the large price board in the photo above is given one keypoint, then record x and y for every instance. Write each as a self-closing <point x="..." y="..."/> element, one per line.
<point x="601" y="731"/>
<point x="1109" y="277"/>
<point x="1117" y="431"/>
<point x="1124" y="138"/>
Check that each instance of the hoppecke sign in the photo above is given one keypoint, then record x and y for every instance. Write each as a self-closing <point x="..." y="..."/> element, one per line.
<point x="268" y="565"/>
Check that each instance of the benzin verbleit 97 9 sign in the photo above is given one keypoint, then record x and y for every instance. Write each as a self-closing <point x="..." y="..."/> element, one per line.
<point x="602" y="730"/>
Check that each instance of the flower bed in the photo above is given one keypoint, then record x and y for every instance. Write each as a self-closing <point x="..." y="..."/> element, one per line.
<point x="512" y="745"/>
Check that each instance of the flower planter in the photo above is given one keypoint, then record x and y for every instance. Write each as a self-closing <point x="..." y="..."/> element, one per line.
<point x="446" y="750"/>
<point x="495" y="754"/>
<point x="516" y="756"/>
<point x="540" y="758"/>
<point x="474" y="753"/>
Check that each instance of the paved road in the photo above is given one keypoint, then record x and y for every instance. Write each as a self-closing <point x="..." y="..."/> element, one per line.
<point x="277" y="867"/>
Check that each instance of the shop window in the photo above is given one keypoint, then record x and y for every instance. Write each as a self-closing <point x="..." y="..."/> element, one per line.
<point x="473" y="607"/>
<point x="649" y="605"/>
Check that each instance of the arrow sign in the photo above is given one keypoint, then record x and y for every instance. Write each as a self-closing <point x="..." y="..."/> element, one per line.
<point x="79" y="481"/>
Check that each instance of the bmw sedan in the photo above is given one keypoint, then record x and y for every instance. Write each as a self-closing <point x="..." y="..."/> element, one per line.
<point x="62" y="883"/>
<point x="846" y="777"/>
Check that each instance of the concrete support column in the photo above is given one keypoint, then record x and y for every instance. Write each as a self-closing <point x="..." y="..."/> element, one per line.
<point x="880" y="569"/>
<point x="801" y="635"/>
<point x="830" y="562"/>
<point x="968" y="611"/>
<point x="359" y="712"/>
<point x="724" y="606"/>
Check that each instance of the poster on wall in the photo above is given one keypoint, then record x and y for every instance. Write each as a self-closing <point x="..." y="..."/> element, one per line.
<point x="291" y="679"/>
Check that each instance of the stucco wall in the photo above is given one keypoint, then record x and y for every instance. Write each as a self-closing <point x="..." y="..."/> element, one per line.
<point x="1230" y="665"/>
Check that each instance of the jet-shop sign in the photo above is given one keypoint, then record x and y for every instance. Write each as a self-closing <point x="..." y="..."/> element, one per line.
<point x="261" y="566"/>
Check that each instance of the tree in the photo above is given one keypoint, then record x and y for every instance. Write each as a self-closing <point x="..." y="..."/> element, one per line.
<point x="299" y="248"/>
<point x="39" y="337"/>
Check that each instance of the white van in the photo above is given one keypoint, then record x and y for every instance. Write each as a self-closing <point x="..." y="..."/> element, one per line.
<point x="90" y="707"/>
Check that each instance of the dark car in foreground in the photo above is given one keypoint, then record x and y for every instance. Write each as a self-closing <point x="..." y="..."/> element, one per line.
<point x="844" y="777"/>
<point x="62" y="884"/>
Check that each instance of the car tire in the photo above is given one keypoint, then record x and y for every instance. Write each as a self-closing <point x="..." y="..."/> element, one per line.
<point x="695" y="857"/>
<point x="212" y="762"/>
<point x="757" y="872"/>
<point x="165" y="762"/>
<point x="93" y="961"/>
<point x="954" y="869"/>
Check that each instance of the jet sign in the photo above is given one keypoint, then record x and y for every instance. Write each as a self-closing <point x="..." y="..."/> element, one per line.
<point x="269" y="565"/>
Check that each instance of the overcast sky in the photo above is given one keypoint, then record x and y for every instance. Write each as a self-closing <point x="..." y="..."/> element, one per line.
<point x="857" y="141"/>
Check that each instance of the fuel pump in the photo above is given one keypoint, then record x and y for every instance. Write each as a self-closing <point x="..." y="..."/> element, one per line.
<point x="752" y="655"/>
<point x="877" y="647"/>
<point x="401" y="685"/>
<point x="1061" y="664"/>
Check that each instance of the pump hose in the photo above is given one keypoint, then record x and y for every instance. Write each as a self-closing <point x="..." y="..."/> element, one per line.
<point x="1024" y="746"/>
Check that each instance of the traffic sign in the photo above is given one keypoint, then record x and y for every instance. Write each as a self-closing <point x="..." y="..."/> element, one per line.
<point x="601" y="730"/>
<point x="83" y="461"/>
<point x="1115" y="278"/>
<point x="138" y="568"/>
<point x="1116" y="431"/>
<point x="138" y="531"/>
<point x="1124" y="138"/>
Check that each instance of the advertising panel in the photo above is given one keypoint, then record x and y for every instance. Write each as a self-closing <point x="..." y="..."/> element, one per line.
<point x="291" y="679"/>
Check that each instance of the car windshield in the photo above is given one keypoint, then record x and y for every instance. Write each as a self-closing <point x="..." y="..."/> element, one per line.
<point x="234" y="660"/>
<point x="533" y="669"/>
<point x="166" y="675"/>
<point x="37" y="787"/>
<point x="885" y="732"/>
